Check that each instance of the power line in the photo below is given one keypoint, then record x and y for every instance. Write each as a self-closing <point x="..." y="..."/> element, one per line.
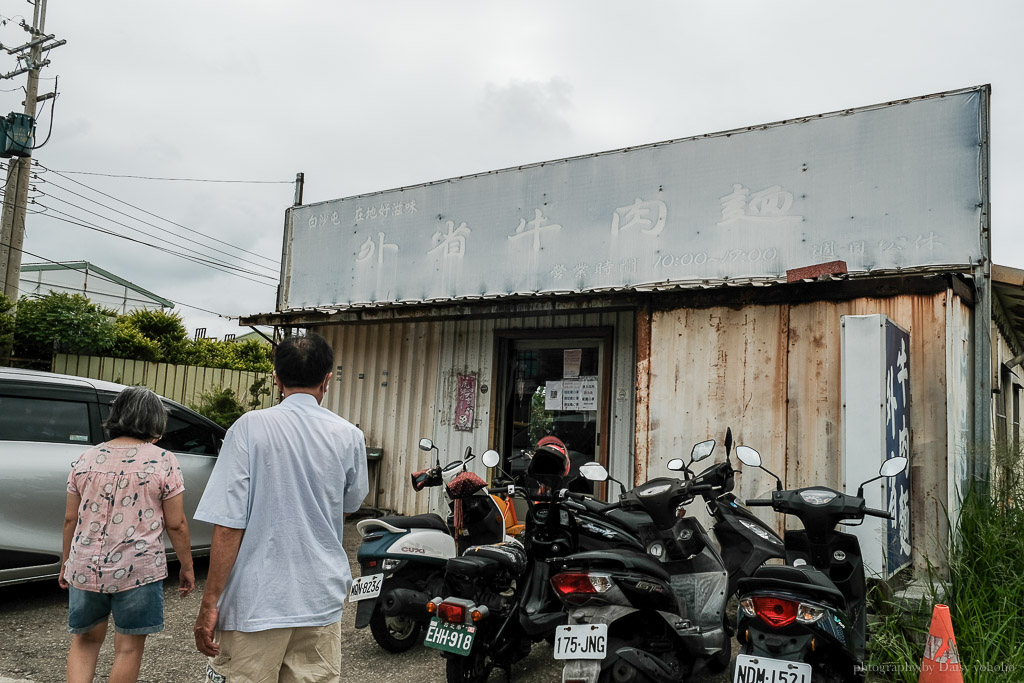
<point x="118" y="211"/>
<point x="181" y="180"/>
<point x="73" y="220"/>
<point x="205" y="258"/>
<point x="106" y="279"/>
<point x="150" y="213"/>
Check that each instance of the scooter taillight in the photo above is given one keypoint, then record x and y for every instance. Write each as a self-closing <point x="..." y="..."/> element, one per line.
<point x="452" y="613"/>
<point x="776" y="612"/>
<point x="577" y="587"/>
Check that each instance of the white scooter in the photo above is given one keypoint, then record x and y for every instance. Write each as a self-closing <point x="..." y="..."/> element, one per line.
<point x="403" y="558"/>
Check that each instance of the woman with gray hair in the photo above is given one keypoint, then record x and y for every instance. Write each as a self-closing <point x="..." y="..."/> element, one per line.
<point x="122" y="495"/>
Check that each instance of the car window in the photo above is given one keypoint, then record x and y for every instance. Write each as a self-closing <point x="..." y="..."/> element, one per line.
<point x="43" y="419"/>
<point x="185" y="434"/>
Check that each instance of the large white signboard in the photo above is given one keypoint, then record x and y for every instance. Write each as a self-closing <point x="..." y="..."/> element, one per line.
<point x="876" y="427"/>
<point x="894" y="186"/>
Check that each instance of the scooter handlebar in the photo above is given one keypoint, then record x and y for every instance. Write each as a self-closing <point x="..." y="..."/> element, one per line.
<point x="759" y="502"/>
<point x="870" y="512"/>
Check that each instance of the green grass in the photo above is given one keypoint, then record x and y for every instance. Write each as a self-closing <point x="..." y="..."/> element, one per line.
<point x="985" y="592"/>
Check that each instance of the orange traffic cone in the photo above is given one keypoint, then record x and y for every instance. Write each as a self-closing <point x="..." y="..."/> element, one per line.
<point x="941" y="663"/>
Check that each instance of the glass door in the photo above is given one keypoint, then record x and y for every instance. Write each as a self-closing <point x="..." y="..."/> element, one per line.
<point x="554" y="386"/>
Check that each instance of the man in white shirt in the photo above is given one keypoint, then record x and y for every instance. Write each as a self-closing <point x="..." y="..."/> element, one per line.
<point x="283" y="483"/>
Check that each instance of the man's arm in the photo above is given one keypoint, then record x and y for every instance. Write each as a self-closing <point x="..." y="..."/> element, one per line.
<point x="223" y="552"/>
<point x="70" y="522"/>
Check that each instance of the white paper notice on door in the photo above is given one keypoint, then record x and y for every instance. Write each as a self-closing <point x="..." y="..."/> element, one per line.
<point x="588" y="393"/>
<point x="571" y="359"/>
<point x="553" y="396"/>
<point x="571" y="394"/>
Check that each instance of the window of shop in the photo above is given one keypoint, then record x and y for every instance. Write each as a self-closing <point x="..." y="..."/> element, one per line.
<point x="555" y="385"/>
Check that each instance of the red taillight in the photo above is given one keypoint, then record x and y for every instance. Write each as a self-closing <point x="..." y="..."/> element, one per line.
<point x="452" y="613"/>
<point x="370" y="563"/>
<point x="776" y="612"/>
<point x="568" y="583"/>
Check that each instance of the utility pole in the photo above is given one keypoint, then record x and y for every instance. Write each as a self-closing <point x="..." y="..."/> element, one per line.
<point x="12" y="236"/>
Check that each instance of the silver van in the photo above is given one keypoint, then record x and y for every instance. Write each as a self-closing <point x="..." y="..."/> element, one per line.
<point x="46" y="422"/>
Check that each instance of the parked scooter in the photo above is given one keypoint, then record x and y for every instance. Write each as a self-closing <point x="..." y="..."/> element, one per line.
<point x="804" y="622"/>
<point x="655" y="615"/>
<point x="497" y="600"/>
<point x="745" y="541"/>
<point x="403" y="557"/>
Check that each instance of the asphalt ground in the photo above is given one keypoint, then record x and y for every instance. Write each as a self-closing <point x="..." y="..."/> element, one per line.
<point x="34" y="641"/>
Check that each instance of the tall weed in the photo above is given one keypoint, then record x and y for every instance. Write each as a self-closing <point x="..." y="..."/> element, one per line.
<point x="985" y="590"/>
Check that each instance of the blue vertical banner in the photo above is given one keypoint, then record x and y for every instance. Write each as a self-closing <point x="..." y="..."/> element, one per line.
<point x="897" y="442"/>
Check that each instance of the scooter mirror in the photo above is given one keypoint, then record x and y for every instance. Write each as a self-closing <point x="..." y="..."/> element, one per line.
<point x="594" y="471"/>
<point x="893" y="466"/>
<point x="675" y="464"/>
<point x="748" y="456"/>
<point x="426" y="444"/>
<point x="491" y="458"/>
<point x="700" y="451"/>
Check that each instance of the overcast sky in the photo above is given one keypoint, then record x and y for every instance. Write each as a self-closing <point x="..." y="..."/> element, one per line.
<point x="367" y="96"/>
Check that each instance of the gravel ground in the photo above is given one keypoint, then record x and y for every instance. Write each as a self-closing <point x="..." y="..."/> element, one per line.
<point x="34" y="641"/>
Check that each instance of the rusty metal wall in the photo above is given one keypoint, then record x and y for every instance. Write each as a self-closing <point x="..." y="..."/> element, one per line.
<point x="386" y="383"/>
<point x="772" y="373"/>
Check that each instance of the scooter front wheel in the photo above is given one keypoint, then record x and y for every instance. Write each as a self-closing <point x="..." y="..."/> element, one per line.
<point x="394" y="634"/>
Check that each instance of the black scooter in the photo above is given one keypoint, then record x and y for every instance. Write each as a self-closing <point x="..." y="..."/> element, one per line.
<point x="497" y="600"/>
<point x="659" y="615"/>
<point x="804" y="622"/>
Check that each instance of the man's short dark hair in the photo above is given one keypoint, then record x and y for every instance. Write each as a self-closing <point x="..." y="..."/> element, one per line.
<point x="303" y="362"/>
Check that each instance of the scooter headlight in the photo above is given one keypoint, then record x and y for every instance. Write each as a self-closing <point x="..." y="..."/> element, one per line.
<point x="808" y="614"/>
<point x="818" y="496"/>
<point x="757" y="530"/>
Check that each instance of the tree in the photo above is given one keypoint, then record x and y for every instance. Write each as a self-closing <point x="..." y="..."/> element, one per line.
<point x="220" y="405"/>
<point x="58" y="321"/>
<point x="6" y="327"/>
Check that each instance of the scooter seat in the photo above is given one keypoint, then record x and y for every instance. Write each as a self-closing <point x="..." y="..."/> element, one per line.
<point x="425" y="521"/>
<point x="508" y="555"/>
<point x="620" y="560"/>
<point x="800" y="580"/>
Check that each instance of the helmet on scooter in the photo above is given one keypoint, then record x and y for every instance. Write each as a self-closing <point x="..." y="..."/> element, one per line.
<point x="550" y="462"/>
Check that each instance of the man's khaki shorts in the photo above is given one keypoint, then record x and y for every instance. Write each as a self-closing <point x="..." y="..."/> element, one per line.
<point x="304" y="654"/>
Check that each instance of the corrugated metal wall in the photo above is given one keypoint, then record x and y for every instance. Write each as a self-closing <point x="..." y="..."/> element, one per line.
<point x="397" y="383"/>
<point x="772" y="373"/>
<point x="468" y="347"/>
<point x="181" y="383"/>
<point x="386" y="383"/>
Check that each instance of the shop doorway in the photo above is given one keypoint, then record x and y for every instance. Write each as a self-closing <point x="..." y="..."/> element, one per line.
<point x="555" y="383"/>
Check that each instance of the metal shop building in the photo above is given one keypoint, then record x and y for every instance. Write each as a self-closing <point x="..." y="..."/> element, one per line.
<point x="821" y="285"/>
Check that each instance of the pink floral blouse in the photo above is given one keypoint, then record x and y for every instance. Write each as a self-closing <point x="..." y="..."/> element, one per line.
<point x="117" y="544"/>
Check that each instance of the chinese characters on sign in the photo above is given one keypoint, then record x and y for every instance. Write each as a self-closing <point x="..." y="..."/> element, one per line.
<point x="897" y="441"/>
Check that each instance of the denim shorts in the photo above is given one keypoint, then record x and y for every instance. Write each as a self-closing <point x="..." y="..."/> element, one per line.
<point x="137" y="611"/>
